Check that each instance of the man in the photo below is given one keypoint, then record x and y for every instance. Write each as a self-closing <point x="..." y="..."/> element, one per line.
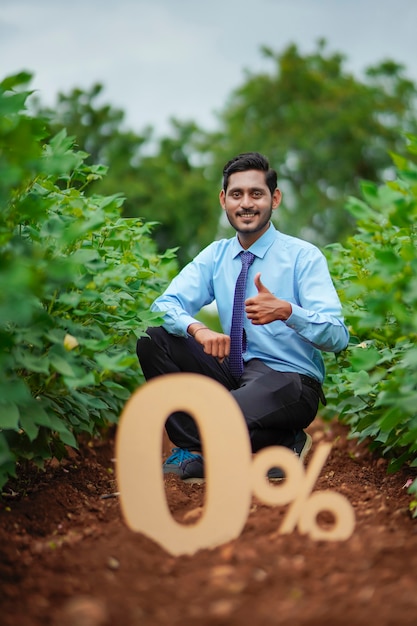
<point x="273" y="366"/>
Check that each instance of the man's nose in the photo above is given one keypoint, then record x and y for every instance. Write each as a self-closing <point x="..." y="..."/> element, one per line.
<point x="246" y="202"/>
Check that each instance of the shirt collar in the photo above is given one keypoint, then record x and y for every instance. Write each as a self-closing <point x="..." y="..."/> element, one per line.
<point x="261" y="245"/>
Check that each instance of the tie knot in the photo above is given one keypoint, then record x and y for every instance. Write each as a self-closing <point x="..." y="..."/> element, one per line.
<point x="247" y="258"/>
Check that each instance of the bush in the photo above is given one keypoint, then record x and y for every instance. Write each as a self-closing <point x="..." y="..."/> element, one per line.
<point x="373" y="385"/>
<point x="76" y="282"/>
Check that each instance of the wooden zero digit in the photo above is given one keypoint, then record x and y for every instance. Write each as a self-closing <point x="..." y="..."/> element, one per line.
<point x="139" y="473"/>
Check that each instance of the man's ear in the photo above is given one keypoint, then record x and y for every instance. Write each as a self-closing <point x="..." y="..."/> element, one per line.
<point x="222" y="198"/>
<point x="276" y="198"/>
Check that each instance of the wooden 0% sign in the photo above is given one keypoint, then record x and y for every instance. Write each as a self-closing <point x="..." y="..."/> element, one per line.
<point x="233" y="474"/>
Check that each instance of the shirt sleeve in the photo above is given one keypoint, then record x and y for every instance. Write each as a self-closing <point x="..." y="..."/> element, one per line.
<point x="188" y="292"/>
<point x="317" y="315"/>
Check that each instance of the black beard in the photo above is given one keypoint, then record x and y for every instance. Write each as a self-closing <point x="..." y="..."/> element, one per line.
<point x="260" y="226"/>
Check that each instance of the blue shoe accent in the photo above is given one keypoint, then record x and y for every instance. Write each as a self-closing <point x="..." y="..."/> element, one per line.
<point x="178" y="456"/>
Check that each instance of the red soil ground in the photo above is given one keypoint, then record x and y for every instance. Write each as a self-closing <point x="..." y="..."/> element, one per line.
<point x="67" y="557"/>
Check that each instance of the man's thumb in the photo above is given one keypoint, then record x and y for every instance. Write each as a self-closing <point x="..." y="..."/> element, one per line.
<point x="258" y="284"/>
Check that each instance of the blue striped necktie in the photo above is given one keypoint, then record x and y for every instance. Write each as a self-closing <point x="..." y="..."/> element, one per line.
<point x="237" y="339"/>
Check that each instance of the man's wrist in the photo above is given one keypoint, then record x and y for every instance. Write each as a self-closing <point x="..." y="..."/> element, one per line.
<point x="194" y="328"/>
<point x="199" y="328"/>
<point x="288" y="311"/>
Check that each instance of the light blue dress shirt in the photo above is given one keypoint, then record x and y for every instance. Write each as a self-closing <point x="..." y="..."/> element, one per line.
<point x="293" y="270"/>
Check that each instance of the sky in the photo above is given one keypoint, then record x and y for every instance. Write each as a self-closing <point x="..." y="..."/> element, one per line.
<point x="159" y="59"/>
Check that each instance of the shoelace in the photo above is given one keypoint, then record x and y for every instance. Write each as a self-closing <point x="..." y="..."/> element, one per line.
<point x="179" y="455"/>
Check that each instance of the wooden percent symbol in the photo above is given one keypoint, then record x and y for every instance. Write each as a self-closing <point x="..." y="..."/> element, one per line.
<point x="232" y="472"/>
<point x="296" y="489"/>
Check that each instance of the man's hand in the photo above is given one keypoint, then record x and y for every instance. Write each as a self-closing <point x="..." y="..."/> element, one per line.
<point x="216" y="344"/>
<point x="265" y="308"/>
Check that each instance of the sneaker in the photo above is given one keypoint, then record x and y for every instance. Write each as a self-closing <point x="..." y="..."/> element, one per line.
<point x="192" y="470"/>
<point x="301" y="447"/>
<point x="173" y="462"/>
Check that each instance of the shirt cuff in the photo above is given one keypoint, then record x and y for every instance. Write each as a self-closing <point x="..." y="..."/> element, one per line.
<point x="298" y="320"/>
<point x="180" y="325"/>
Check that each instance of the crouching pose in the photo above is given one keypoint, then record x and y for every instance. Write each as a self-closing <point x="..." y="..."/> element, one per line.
<point x="278" y="309"/>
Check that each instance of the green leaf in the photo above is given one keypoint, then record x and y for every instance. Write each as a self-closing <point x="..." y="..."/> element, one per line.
<point x="117" y="390"/>
<point x="16" y="80"/>
<point x="117" y="363"/>
<point x="85" y="380"/>
<point x="94" y="402"/>
<point x="364" y="358"/>
<point x="32" y="362"/>
<point x="37" y="413"/>
<point x="85" y="257"/>
<point x="68" y="438"/>
<point x="13" y="104"/>
<point x="9" y="416"/>
<point x="389" y="259"/>
<point x="63" y="366"/>
<point x="6" y="458"/>
<point x="29" y="426"/>
<point x="392" y="418"/>
<point x="361" y="383"/>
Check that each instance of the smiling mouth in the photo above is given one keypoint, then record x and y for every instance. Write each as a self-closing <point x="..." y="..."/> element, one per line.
<point x="247" y="214"/>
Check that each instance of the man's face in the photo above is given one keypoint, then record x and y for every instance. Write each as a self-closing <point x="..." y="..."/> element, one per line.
<point x="249" y="204"/>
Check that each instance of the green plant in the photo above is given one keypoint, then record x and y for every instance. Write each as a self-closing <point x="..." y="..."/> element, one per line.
<point x="372" y="386"/>
<point x="76" y="282"/>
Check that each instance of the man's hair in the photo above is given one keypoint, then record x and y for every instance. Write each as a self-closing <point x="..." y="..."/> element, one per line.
<point x="250" y="161"/>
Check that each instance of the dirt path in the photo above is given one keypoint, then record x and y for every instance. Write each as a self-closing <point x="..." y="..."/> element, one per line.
<point x="68" y="559"/>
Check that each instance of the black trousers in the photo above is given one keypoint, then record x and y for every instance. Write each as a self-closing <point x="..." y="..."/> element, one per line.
<point x="275" y="405"/>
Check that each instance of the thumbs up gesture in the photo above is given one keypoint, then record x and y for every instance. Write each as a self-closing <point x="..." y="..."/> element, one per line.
<point x="265" y="308"/>
<point x="259" y="285"/>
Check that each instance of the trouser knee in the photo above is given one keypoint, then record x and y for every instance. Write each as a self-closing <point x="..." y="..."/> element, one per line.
<point x="144" y="346"/>
<point x="154" y="341"/>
